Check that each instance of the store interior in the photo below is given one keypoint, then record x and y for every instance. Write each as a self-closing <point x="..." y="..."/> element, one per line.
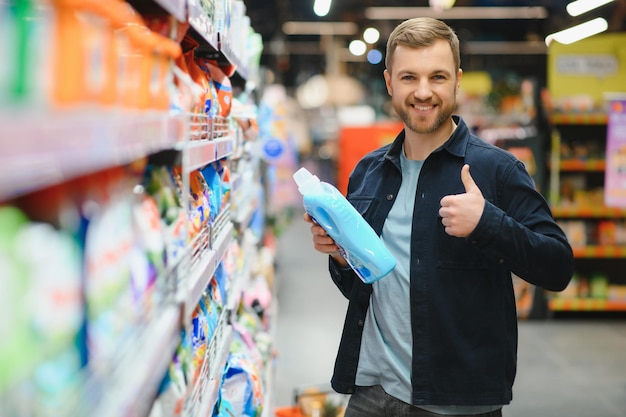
<point x="154" y="261"/>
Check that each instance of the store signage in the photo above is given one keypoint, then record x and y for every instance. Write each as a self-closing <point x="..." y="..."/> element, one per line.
<point x="599" y="65"/>
<point x="615" y="174"/>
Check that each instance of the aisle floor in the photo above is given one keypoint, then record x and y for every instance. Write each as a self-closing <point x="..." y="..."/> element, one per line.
<point x="565" y="367"/>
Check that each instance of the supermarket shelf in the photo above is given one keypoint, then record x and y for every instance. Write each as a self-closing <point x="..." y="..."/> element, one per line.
<point x="199" y="154"/>
<point x="175" y="7"/>
<point x="588" y="212"/>
<point x="139" y="374"/>
<point x="590" y="165"/>
<point x="203" y="394"/>
<point x="599" y="252"/>
<point x="595" y="118"/>
<point x="217" y="355"/>
<point x="586" y="304"/>
<point x="203" y="271"/>
<point x="200" y="21"/>
<point x="244" y="214"/>
<point x="47" y="148"/>
<point x="224" y="146"/>
<point x="229" y="54"/>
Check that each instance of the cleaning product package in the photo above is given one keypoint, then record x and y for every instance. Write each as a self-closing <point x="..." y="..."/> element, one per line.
<point x="358" y="243"/>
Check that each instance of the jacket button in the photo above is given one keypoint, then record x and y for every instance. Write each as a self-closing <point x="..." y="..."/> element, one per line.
<point x="361" y="323"/>
<point x="501" y="260"/>
<point x="389" y="197"/>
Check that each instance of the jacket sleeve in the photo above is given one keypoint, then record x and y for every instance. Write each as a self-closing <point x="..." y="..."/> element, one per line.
<point x="518" y="230"/>
<point x="343" y="277"/>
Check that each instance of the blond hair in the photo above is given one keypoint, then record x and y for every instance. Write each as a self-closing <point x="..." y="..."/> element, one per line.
<point x="420" y="32"/>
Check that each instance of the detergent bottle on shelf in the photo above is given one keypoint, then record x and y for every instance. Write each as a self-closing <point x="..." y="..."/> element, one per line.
<point x="358" y="242"/>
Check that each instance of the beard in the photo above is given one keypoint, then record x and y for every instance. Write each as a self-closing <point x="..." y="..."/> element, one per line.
<point x="420" y="125"/>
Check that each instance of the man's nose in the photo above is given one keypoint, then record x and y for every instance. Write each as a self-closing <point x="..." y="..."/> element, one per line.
<point x="422" y="90"/>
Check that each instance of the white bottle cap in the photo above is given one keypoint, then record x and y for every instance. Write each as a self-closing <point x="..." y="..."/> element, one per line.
<point x="305" y="180"/>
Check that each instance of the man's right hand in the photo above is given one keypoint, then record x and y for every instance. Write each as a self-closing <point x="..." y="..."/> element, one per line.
<point x="324" y="243"/>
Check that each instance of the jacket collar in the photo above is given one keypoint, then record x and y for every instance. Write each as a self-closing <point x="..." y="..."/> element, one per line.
<point x="456" y="145"/>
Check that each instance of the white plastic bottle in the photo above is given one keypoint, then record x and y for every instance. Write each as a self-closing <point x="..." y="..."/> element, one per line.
<point x="358" y="242"/>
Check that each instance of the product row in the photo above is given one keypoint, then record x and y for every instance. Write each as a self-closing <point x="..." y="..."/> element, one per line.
<point x="104" y="53"/>
<point x="96" y="266"/>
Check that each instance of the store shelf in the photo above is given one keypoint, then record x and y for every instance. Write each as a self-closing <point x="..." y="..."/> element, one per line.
<point x="596" y="118"/>
<point x="203" y="271"/>
<point x="590" y="212"/>
<point x="175" y="7"/>
<point x="48" y="146"/>
<point x="589" y="165"/>
<point x="224" y="146"/>
<point x="585" y="304"/>
<point x="229" y="54"/>
<point x="199" y="17"/>
<point x="599" y="252"/>
<point x="61" y="146"/>
<point x="138" y="374"/>
<point x="200" y="153"/>
<point x="243" y="216"/>
<point x="203" y="394"/>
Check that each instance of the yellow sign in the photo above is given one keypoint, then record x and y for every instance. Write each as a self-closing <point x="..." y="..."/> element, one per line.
<point x="580" y="73"/>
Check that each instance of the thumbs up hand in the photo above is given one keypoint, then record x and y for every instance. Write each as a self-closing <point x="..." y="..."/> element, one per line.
<point x="460" y="213"/>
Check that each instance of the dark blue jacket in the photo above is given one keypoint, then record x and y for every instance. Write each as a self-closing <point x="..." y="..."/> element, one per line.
<point x="463" y="312"/>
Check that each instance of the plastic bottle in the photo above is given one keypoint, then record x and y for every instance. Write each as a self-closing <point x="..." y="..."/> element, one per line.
<point x="358" y="242"/>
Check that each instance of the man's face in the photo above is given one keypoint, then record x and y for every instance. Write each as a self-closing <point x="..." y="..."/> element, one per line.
<point x="422" y="83"/>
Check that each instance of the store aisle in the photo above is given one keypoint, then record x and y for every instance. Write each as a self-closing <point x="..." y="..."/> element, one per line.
<point x="566" y="368"/>
<point x="310" y="315"/>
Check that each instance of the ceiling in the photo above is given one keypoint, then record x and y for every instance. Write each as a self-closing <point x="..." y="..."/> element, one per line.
<point x="290" y="56"/>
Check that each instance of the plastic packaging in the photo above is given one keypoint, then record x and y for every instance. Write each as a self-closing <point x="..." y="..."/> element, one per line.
<point x="358" y="242"/>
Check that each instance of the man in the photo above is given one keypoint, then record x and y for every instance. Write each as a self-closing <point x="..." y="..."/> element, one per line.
<point x="438" y="335"/>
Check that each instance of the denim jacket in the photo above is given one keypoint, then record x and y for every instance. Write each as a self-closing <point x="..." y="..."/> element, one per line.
<point x="463" y="313"/>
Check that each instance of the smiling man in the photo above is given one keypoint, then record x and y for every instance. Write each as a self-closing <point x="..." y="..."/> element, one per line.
<point x="438" y="335"/>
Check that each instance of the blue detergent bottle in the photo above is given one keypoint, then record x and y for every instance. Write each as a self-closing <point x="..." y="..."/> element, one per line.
<point x="358" y="242"/>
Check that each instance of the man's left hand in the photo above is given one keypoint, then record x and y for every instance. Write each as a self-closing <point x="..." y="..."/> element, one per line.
<point x="460" y="213"/>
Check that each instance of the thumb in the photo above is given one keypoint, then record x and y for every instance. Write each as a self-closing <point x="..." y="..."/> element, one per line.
<point x="468" y="181"/>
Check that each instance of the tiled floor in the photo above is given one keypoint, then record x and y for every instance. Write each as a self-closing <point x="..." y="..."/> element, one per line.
<point x="566" y="368"/>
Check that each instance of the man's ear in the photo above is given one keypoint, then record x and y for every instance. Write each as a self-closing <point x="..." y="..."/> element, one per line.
<point x="387" y="76"/>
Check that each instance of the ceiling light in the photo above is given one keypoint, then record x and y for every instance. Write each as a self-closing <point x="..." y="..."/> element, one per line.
<point x="467" y="13"/>
<point x="320" y="28"/>
<point x="371" y="35"/>
<point x="374" y="56"/>
<point x="441" y="4"/>
<point x="578" y="7"/>
<point x="321" y="7"/>
<point x="578" y="32"/>
<point x="357" y="47"/>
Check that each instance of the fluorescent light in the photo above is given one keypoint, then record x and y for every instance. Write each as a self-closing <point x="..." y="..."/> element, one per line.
<point x="578" y="32"/>
<point x="578" y="7"/>
<point x="321" y="7"/>
<point x="320" y="28"/>
<point x="468" y="13"/>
